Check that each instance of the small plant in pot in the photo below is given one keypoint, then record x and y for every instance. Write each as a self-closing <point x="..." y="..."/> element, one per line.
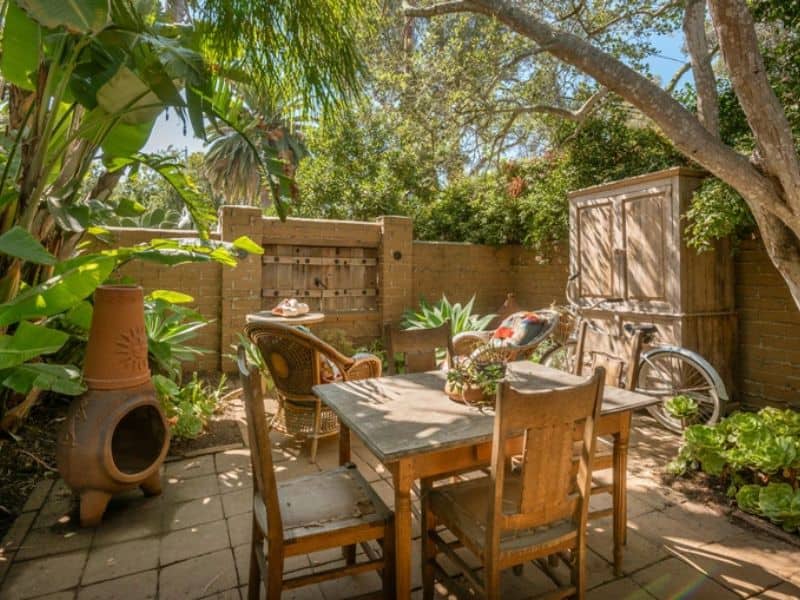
<point x="474" y="380"/>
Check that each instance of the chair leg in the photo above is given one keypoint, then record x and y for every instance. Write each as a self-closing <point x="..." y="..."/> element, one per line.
<point x="492" y="581"/>
<point x="428" y="523"/>
<point x="274" y="575"/>
<point x="578" y="572"/>
<point x="254" y="578"/>
<point x="388" y="561"/>
<point x="315" y="435"/>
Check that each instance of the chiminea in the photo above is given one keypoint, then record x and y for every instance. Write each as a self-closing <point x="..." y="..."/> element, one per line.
<point x="115" y="436"/>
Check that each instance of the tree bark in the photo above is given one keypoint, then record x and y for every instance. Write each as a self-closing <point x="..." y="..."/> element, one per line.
<point x="763" y="189"/>
<point x="694" y="28"/>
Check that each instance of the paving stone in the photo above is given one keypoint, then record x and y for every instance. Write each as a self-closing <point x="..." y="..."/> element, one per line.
<point x="38" y="496"/>
<point x="232" y="594"/>
<point x="621" y="589"/>
<point x="142" y="586"/>
<point x="687" y="525"/>
<point x="308" y="592"/>
<point x="67" y="595"/>
<point x="233" y="460"/>
<point x="54" y="540"/>
<point x="177" y="489"/>
<point x="672" y="578"/>
<point x="352" y="585"/>
<point x="17" y="532"/>
<point x="191" y="467"/>
<point x="117" y="560"/>
<point x="129" y="520"/>
<point x="58" y="509"/>
<point x="638" y="553"/>
<point x="237" y="502"/>
<point x="41" y="576"/>
<point x="756" y="548"/>
<point x="197" y="577"/>
<point x="194" y="541"/>
<point x="193" y="512"/>
<point x="292" y="565"/>
<point x="240" y="528"/>
<point x="784" y="591"/>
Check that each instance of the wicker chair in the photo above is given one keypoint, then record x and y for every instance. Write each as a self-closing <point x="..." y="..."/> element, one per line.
<point x="464" y="344"/>
<point x="297" y="361"/>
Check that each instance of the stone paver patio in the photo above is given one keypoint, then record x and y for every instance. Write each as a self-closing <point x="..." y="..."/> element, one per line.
<point x="192" y="542"/>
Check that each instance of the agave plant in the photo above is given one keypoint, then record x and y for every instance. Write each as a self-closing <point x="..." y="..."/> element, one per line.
<point x="433" y="315"/>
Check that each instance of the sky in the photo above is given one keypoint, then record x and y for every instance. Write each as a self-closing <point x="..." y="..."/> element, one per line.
<point x="169" y="132"/>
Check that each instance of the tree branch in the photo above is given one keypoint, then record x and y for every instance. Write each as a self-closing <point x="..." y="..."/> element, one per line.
<point x="773" y="135"/>
<point x="435" y="10"/>
<point x="694" y="28"/>
<point x="558" y="111"/>
<point x="684" y="69"/>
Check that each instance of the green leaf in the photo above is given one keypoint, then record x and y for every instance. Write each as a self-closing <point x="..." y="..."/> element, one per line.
<point x="29" y="341"/>
<point x="170" y="296"/>
<point x="19" y="243"/>
<point x="76" y="16"/>
<point x="248" y="245"/>
<point x="62" y="379"/>
<point x="747" y="498"/>
<point x="59" y="293"/>
<point x="129" y="208"/>
<point x="21" y="40"/>
<point x="80" y="316"/>
<point x="126" y="139"/>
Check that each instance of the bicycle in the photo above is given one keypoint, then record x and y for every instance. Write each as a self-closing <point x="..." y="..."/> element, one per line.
<point x="665" y="371"/>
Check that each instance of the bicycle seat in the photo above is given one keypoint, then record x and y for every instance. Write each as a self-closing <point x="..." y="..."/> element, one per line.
<point x="644" y="329"/>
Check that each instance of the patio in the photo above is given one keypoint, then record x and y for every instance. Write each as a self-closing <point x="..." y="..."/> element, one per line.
<point x="192" y="542"/>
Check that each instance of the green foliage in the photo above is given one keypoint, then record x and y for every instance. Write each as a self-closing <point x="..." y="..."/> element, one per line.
<point x="434" y="315"/>
<point x="779" y="502"/>
<point x="759" y="455"/>
<point x="682" y="406"/>
<point x="188" y="407"/>
<point x="484" y="369"/>
<point x="170" y="327"/>
<point x="717" y="211"/>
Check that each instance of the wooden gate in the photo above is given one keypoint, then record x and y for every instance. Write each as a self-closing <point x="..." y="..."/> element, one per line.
<point x="330" y="279"/>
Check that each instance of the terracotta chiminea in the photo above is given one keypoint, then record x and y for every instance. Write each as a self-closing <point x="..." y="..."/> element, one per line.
<point x="115" y="436"/>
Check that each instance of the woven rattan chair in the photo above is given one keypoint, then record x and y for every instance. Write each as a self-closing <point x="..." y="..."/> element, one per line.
<point x="297" y="361"/>
<point x="464" y="344"/>
<point x="517" y="515"/>
<point x="331" y="509"/>
<point x="418" y="347"/>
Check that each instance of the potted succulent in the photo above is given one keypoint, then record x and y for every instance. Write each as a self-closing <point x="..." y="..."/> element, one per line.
<point x="474" y="379"/>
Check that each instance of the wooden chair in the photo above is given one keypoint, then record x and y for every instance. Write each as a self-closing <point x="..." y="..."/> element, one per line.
<point x="331" y="509"/>
<point x="619" y="356"/>
<point x="297" y="361"/>
<point x="539" y="510"/>
<point x="467" y="342"/>
<point x="418" y="347"/>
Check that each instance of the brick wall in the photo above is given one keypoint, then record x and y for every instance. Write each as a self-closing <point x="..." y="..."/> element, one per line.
<point x="461" y="270"/>
<point x="768" y="355"/>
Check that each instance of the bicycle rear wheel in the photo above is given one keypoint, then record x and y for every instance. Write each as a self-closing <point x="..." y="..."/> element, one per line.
<point x="559" y="356"/>
<point x="669" y="372"/>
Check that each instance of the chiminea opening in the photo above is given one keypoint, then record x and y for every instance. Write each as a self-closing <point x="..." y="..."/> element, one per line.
<point x="138" y="440"/>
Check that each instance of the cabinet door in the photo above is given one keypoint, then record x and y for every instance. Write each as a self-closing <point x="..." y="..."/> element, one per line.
<point x="646" y="219"/>
<point x="594" y="243"/>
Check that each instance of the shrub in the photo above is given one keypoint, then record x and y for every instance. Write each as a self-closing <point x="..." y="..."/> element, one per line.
<point x="757" y="454"/>
<point x="188" y="407"/>
<point x="433" y="315"/>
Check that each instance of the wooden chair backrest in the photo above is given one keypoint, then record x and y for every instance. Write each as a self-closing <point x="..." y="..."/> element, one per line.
<point x="552" y="489"/>
<point x="618" y="355"/>
<point x="258" y="428"/>
<point x="292" y="357"/>
<point x="418" y="346"/>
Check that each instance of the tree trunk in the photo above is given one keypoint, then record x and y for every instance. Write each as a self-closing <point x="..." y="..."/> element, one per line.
<point x="764" y="189"/>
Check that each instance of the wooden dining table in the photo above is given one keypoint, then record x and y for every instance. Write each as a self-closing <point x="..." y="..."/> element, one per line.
<point x="417" y="432"/>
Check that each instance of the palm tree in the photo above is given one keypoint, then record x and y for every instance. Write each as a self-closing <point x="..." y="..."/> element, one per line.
<point x="232" y="161"/>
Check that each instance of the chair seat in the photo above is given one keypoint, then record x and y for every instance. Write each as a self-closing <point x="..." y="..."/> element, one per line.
<point x="463" y="507"/>
<point x="325" y="503"/>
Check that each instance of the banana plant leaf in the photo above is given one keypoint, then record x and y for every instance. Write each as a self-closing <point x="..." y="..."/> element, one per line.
<point x="76" y="16"/>
<point x="19" y="243"/>
<point x="21" y="39"/>
<point x="29" y="341"/>
<point x="62" y="379"/>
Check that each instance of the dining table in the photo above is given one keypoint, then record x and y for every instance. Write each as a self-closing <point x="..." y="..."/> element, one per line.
<point x="418" y="433"/>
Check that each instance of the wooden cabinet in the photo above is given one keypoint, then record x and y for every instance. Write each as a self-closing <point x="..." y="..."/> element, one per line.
<point x="628" y="250"/>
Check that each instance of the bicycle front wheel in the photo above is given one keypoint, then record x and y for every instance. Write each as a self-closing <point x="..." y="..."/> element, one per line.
<point x="669" y="372"/>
